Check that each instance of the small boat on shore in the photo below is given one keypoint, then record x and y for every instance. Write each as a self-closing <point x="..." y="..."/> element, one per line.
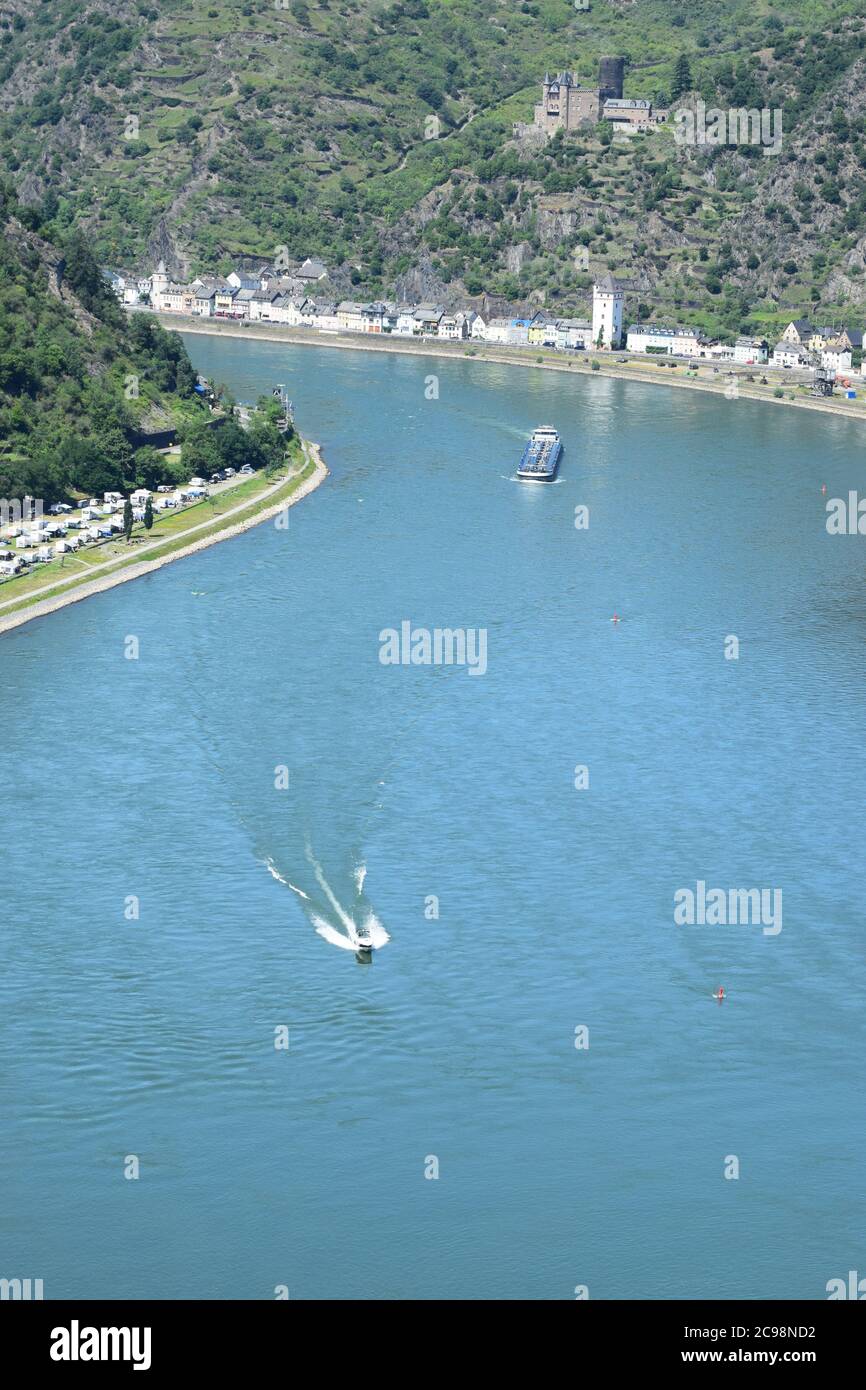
<point x="541" y="456"/>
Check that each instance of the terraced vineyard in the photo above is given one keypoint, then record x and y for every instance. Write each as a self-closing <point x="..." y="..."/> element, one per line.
<point x="197" y="130"/>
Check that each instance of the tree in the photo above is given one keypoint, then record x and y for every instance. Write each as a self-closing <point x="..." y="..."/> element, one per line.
<point x="148" y="514"/>
<point x="149" y="467"/>
<point x="81" y="272"/>
<point x="199" y="452"/>
<point x="682" y="77"/>
<point x="127" y="520"/>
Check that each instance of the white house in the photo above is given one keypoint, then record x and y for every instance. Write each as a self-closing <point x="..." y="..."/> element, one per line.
<point x="204" y="302"/>
<point x="498" y="331"/>
<point x="607" y="305"/>
<point x="674" y="342"/>
<point x="427" y="317"/>
<point x="751" y="352"/>
<point x="450" y="326"/>
<point x="687" y="343"/>
<point x="260" y="305"/>
<point x="405" y="325"/>
<point x="573" y="334"/>
<point x="124" y="285"/>
<point x="788" y="354"/>
<point x="836" y="359"/>
<point x="479" y="327"/>
<point x="324" y="316"/>
<point x="280" y="309"/>
<point x="650" y="337"/>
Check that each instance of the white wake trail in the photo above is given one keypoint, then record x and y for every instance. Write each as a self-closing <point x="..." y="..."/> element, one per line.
<point x="274" y="873"/>
<point x="326" y="889"/>
<point x="331" y="934"/>
<point x="378" y="934"/>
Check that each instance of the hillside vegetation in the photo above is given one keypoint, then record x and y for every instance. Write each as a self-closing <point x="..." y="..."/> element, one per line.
<point x="80" y="385"/>
<point x="197" y="130"/>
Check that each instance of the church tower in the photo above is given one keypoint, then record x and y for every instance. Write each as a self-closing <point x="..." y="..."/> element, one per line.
<point x="158" y="285"/>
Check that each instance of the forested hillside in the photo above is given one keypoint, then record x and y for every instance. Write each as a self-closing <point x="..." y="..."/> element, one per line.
<point x="195" y="130"/>
<point x="79" y="383"/>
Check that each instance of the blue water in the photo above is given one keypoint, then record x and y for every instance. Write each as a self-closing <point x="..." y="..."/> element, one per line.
<point x="156" y="778"/>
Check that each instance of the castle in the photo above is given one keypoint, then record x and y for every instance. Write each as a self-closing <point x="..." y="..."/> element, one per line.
<point x="566" y="105"/>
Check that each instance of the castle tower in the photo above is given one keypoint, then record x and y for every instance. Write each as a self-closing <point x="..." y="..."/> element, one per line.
<point x="611" y="74"/>
<point x="607" y="306"/>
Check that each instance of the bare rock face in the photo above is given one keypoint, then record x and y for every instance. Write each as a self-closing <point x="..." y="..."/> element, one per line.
<point x="856" y="258"/>
<point x="517" y="256"/>
<point x="30" y="190"/>
<point x="555" y="224"/>
<point x="421" y="284"/>
<point x="841" y="289"/>
<point x="163" y="247"/>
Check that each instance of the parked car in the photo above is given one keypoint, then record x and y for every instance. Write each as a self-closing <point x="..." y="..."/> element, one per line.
<point x="247" y="469"/>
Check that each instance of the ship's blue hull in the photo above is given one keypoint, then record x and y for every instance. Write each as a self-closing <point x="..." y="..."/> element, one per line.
<point x="540" y="467"/>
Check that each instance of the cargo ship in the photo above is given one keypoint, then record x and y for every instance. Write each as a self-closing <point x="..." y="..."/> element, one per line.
<point x="541" y="456"/>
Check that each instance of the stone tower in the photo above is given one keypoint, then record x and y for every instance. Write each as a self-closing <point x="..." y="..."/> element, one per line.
<point x="611" y="73"/>
<point x="607" y="306"/>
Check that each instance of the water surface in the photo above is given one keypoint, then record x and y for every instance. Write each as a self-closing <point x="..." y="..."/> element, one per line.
<point x="156" y="778"/>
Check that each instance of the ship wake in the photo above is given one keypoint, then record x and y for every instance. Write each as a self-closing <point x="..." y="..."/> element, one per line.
<point x="334" y="922"/>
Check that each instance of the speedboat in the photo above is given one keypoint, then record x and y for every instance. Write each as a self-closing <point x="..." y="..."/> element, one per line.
<point x="363" y="940"/>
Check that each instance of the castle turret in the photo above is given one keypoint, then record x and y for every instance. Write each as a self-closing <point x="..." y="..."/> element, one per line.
<point x="565" y="105"/>
<point x="607" y="305"/>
